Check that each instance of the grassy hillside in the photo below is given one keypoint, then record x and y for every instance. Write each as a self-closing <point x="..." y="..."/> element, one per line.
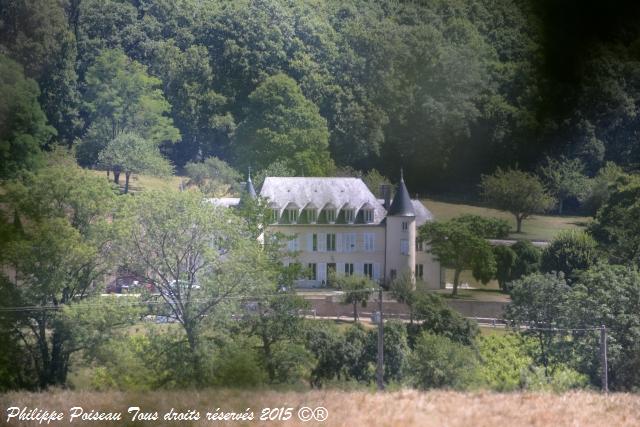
<point x="361" y="408"/>
<point x="147" y="182"/>
<point x="538" y="227"/>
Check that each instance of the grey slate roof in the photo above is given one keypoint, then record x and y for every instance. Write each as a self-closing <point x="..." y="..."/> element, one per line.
<point x="401" y="204"/>
<point x="319" y="192"/>
<point x="300" y="192"/>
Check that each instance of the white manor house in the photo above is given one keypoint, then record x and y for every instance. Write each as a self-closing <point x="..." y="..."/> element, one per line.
<point x="337" y="224"/>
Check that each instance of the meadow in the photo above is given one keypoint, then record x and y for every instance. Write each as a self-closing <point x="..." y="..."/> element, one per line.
<point x="405" y="408"/>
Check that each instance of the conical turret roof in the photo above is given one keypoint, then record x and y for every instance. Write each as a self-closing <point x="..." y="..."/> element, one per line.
<point x="401" y="205"/>
<point x="251" y="191"/>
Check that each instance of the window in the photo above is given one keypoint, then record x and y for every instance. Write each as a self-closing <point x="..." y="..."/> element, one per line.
<point x="293" y="216"/>
<point x="348" y="269"/>
<point x="419" y="271"/>
<point x="368" y="270"/>
<point x="348" y="216"/>
<point x="405" y="225"/>
<point x="314" y="245"/>
<point x="419" y="246"/>
<point x="274" y="216"/>
<point x="348" y="242"/>
<point x="331" y="215"/>
<point x="404" y="247"/>
<point x="368" y="215"/>
<point x="331" y="242"/>
<point x="313" y="271"/>
<point x="312" y="216"/>
<point x="292" y="245"/>
<point x="369" y="242"/>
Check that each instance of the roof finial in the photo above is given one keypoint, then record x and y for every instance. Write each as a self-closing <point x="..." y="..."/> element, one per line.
<point x="401" y="175"/>
<point x="249" y="177"/>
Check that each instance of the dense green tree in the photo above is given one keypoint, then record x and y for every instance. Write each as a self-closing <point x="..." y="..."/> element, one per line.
<point x="616" y="225"/>
<point x="282" y="125"/>
<point x="459" y="247"/>
<point x="486" y="227"/>
<point x="505" y="260"/>
<point x="396" y="351"/>
<point x="570" y="252"/>
<point x="438" y="362"/>
<point x="601" y="187"/>
<point x="206" y="127"/>
<point x="36" y="34"/>
<point x="564" y="179"/>
<point x="277" y="322"/>
<point x="607" y="295"/>
<point x="335" y="356"/>
<point x="214" y="177"/>
<point x="527" y="259"/>
<point x="131" y="153"/>
<point x="122" y="97"/>
<point x="23" y="125"/>
<point x="516" y="192"/>
<point x="58" y="256"/>
<point x="435" y="316"/>
<point x="539" y="302"/>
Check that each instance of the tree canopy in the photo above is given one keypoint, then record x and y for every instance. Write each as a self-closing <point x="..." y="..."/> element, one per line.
<point x="516" y="192"/>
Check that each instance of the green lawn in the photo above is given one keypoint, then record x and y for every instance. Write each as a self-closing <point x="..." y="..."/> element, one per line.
<point x="538" y="227"/>
<point x="147" y="182"/>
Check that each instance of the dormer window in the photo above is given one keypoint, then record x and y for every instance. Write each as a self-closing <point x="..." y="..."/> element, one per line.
<point x="312" y="216"/>
<point x="330" y="215"/>
<point x="368" y="215"/>
<point x="349" y="216"/>
<point x="293" y="216"/>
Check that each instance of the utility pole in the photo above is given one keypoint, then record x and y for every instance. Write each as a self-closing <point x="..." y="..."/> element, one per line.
<point x="603" y="359"/>
<point x="380" y="367"/>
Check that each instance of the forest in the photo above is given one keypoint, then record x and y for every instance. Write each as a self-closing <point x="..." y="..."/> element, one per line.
<point x="448" y="90"/>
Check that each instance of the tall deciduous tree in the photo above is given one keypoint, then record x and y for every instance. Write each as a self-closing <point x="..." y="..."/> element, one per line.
<point x="122" y="97"/>
<point x="58" y="257"/>
<point x="198" y="257"/>
<point x="131" y="153"/>
<point x="564" y="178"/>
<point x="460" y="246"/>
<point x="517" y="192"/>
<point x="23" y="125"/>
<point x="282" y="125"/>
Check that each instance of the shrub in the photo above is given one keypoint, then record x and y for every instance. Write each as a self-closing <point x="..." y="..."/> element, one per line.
<point x="504" y="361"/>
<point x="570" y="252"/>
<point x="438" y="362"/>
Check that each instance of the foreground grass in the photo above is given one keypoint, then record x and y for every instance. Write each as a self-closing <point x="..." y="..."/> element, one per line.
<point x="538" y="227"/>
<point x="401" y="408"/>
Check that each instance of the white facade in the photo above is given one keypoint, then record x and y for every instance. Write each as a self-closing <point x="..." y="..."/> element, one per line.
<point x="337" y="224"/>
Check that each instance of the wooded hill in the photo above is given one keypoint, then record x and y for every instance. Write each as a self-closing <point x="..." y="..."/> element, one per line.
<point x="447" y="89"/>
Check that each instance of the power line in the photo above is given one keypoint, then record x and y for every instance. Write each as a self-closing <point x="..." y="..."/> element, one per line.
<point x="161" y="301"/>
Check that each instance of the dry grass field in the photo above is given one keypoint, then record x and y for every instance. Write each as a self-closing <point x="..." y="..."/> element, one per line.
<point x="400" y="408"/>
